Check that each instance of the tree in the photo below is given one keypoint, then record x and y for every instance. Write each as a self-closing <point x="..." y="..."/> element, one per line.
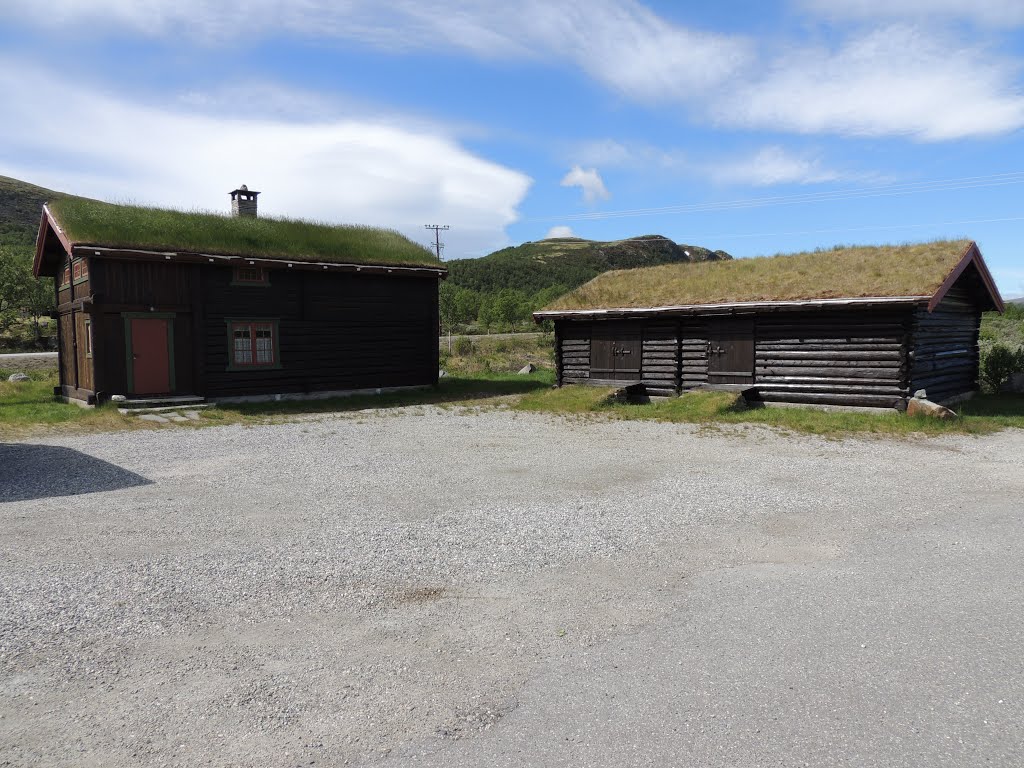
<point x="21" y="294"/>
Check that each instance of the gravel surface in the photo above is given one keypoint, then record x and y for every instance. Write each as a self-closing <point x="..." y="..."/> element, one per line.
<point x="447" y="587"/>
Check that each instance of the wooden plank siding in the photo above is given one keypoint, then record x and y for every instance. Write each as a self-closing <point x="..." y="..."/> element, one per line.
<point x="945" y="355"/>
<point x="334" y="331"/>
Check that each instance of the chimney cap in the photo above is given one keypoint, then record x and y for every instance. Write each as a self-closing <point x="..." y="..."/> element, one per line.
<point x="243" y="190"/>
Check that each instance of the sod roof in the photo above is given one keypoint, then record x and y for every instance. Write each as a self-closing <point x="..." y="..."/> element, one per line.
<point x="90" y="222"/>
<point x="839" y="273"/>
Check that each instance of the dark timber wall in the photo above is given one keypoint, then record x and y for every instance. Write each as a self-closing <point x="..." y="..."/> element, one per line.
<point x="944" y="359"/>
<point x="335" y="331"/>
<point x="856" y="357"/>
<point x="875" y="356"/>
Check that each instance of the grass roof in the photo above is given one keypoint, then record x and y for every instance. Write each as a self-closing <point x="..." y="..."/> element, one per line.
<point x="89" y="222"/>
<point x="842" y="272"/>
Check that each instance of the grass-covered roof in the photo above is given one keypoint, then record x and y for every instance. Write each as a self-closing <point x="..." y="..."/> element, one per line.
<point x="89" y="222"/>
<point x="842" y="272"/>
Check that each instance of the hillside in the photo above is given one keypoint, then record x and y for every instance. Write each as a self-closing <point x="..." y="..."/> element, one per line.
<point x="568" y="262"/>
<point x="20" y="206"/>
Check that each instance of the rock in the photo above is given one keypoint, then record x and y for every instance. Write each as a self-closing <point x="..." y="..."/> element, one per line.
<point x="442" y="374"/>
<point x="154" y="417"/>
<point x="16" y="377"/>
<point x="921" y="395"/>
<point x="919" y="406"/>
<point x="1015" y="385"/>
<point x="527" y="369"/>
<point x="118" y="398"/>
<point x="192" y="415"/>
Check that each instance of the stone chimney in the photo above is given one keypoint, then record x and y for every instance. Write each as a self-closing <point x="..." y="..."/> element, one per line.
<point x="243" y="202"/>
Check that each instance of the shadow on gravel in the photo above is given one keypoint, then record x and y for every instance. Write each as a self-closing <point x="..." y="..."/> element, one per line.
<point x="44" y="471"/>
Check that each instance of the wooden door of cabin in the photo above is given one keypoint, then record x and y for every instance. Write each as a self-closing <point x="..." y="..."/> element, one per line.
<point x="731" y="351"/>
<point x="616" y="351"/>
<point x="150" y="356"/>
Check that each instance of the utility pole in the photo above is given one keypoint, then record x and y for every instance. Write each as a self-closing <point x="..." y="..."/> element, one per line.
<point x="438" y="245"/>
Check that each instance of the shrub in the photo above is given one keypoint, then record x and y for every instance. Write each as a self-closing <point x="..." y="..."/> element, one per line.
<point x="463" y="346"/>
<point x="999" y="364"/>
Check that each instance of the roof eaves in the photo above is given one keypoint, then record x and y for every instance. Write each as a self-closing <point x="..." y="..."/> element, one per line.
<point x="127" y="253"/>
<point x="972" y="255"/>
<point x="730" y="306"/>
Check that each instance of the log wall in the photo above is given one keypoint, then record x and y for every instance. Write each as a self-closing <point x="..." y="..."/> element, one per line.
<point x="874" y="357"/>
<point x="945" y="356"/>
<point x="856" y="357"/>
<point x="659" y="370"/>
<point x="572" y="352"/>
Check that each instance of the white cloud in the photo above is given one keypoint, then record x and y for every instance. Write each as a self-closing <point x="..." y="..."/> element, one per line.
<point x="895" y="80"/>
<point x="352" y="170"/>
<point x="618" y="42"/>
<point x="561" y="231"/>
<point x="630" y="155"/>
<point x="589" y="181"/>
<point x="771" y="165"/>
<point x="1000" y="13"/>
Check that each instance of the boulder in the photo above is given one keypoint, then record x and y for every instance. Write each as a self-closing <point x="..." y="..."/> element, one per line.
<point x="920" y="405"/>
<point x="441" y="374"/>
<point x="527" y="369"/>
<point x="118" y="398"/>
<point x="1015" y="384"/>
<point x="16" y="377"/>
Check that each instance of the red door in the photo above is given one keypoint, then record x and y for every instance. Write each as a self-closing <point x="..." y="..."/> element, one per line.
<point x="151" y="361"/>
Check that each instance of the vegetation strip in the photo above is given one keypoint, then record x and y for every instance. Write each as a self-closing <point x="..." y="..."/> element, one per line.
<point x="89" y="222"/>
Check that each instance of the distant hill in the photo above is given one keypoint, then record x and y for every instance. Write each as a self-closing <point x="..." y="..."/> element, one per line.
<point x="21" y="204"/>
<point x="568" y="262"/>
<point x="500" y="291"/>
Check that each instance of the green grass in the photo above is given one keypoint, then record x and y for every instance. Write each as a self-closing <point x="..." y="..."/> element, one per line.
<point x="982" y="415"/>
<point x="843" y="272"/>
<point x="89" y="222"/>
<point x="29" y="408"/>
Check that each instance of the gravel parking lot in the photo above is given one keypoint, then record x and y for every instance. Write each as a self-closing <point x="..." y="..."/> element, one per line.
<point x="449" y="587"/>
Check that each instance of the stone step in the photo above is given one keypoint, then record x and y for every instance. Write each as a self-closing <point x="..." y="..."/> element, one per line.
<point x="171" y="401"/>
<point x="168" y="408"/>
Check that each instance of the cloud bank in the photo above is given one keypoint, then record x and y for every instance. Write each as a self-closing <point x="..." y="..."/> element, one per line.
<point x="903" y="76"/>
<point x="364" y="171"/>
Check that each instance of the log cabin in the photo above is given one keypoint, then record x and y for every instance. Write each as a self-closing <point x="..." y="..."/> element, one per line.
<point x="856" y="326"/>
<point x="156" y="304"/>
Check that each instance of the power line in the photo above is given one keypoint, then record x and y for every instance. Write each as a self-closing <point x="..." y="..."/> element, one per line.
<point x="888" y="190"/>
<point x="859" y="229"/>
<point x="438" y="245"/>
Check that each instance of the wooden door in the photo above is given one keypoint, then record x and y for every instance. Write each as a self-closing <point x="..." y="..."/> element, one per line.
<point x="150" y="356"/>
<point x="616" y="351"/>
<point x="731" y="351"/>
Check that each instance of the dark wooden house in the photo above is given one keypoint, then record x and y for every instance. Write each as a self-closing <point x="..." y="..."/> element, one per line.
<point x="862" y="326"/>
<point x="155" y="303"/>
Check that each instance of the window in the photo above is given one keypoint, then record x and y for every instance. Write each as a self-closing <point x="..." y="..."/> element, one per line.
<point x="253" y="344"/>
<point x="76" y="271"/>
<point x="88" y="337"/>
<point x="65" y="278"/>
<point x="250" y="276"/>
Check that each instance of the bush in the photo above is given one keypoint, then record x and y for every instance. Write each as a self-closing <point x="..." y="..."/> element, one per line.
<point x="999" y="364"/>
<point x="463" y="346"/>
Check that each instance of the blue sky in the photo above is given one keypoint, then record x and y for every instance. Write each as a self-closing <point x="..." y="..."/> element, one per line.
<point x="752" y="127"/>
